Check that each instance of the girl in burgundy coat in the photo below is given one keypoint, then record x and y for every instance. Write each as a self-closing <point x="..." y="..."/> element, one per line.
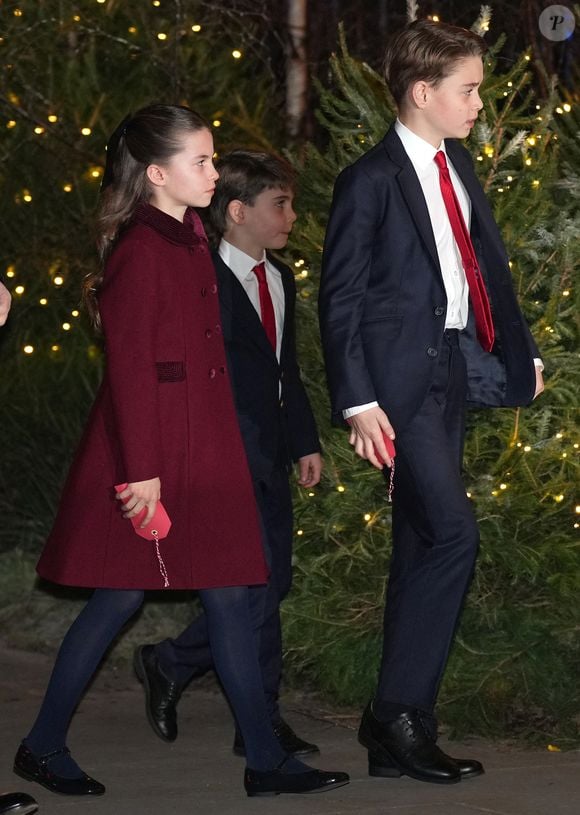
<point x="164" y="423"/>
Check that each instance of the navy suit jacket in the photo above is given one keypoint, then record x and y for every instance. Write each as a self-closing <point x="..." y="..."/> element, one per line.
<point x="275" y="416"/>
<point x="383" y="302"/>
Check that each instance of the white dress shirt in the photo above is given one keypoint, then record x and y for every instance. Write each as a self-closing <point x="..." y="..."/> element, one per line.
<point x="242" y="266"/>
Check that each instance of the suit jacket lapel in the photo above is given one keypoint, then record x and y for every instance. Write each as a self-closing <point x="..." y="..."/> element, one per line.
<point x="235" y="302"/>
<point x="412" y="193"/>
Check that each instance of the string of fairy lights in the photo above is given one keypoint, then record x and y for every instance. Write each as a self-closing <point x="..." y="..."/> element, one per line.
<point x="41" y="128"/>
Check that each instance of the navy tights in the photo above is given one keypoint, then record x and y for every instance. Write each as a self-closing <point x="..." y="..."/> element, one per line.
<point x="235" y="654"/>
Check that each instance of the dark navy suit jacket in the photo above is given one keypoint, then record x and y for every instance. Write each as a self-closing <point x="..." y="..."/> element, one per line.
<point x="382" y="299"/>
<point x="275" y="416"/>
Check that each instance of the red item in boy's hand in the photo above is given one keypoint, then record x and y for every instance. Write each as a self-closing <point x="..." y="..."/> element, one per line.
<point x="389" y="444"/>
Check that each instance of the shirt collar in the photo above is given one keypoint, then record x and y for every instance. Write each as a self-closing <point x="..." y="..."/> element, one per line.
<point x="419" y="151"/>
<point x="239" y="262"/>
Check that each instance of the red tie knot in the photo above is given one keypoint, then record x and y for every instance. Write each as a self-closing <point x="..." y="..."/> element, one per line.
<point x="440" y="160"/>
<point x="260" y="271"/>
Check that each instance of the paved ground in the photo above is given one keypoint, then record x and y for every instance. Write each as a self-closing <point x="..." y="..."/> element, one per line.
<point x="198" y="774"/>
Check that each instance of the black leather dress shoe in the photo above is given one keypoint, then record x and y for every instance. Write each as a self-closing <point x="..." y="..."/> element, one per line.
<point x="292" y="744"/>
<point x="468" y="767"/>
<point x="162" y="695"/>
<point x="276" y="782"/>
<point x="37" y="768"/>
<point x="403" y="746"/>
<point x="17" y="803"/>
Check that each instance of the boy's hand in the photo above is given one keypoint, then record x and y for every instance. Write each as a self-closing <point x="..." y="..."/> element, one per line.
<point x="539" y="382"/>
<point x="366" y="435"/>
<point x="309" y="470"/>
<point x="141" y="494"/>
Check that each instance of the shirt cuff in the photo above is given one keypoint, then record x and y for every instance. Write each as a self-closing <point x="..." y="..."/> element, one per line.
<point x="346" y="414"/>
<point x="539" y="364"/>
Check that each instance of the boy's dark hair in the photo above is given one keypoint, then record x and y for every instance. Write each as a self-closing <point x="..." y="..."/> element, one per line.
<point x="427" y="51"/>
<point x="244" y="174"/>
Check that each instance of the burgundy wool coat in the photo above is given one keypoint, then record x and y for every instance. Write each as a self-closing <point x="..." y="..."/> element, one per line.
<point x="164" y="408"/>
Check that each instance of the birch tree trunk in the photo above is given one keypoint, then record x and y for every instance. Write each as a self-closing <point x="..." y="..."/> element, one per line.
<point x="296" y="67"/>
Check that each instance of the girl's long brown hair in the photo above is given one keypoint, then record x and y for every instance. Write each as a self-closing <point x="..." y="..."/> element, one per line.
<point x="151" y="136"/>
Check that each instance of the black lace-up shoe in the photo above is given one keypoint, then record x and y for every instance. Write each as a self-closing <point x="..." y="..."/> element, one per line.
<point x="162" y="695"/>
<point x="404" y="746"/>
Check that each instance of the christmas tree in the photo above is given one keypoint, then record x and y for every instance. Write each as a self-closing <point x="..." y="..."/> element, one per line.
<point x="514" y="666"/>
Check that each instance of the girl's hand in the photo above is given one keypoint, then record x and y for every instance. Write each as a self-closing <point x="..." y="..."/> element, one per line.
<point x="141" y="494"/>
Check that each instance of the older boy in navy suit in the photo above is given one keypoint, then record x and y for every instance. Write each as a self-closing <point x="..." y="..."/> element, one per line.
<point x="418" y="318"/>
<point x="252" y="212"/>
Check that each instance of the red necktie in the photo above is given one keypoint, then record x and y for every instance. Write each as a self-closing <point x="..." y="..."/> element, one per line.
<point x="477" y="292"/>
<point x="266" y="306"/>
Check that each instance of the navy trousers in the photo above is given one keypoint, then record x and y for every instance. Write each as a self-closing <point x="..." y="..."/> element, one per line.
<point x="189" y="654"/>
<point x="435" y="542"/>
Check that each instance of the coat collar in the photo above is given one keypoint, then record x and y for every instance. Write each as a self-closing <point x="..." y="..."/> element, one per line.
<point x="188" y="233"/>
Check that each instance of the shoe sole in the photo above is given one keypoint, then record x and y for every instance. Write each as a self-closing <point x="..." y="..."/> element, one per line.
<point x="35" y="780"/>
<point x="270" y="794"/>
<point x="141" y="675"/>
<point x="380" y="769"/>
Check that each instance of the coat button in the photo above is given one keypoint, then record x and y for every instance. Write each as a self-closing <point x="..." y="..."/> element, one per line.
<point x="208" y="333"/>
<point x="432" y="352"/>
<point x="439" y="311"/>
<point x="218" y="329"/>
<point x="211" y="373"/>
<point x="213" y="288"/>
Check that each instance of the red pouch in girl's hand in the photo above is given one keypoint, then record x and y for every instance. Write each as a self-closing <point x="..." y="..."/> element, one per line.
<point x="159" y="525"/>
<point x="157" y="528"/>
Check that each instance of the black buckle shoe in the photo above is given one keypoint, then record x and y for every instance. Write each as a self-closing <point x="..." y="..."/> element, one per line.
<point x="403" y="746"/>
<point x="275" y="782"/>
<point x="36" y="768"/>
<point x="17" y="803"/>
<point x="292" y="744"/>
<point x="162" y="695"/>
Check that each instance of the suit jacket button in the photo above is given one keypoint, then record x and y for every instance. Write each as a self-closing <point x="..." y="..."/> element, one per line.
<point x="218" y="329"/>
<point x="211" y="373"/>
<point x="213" y="288"/>
<point x="432" y="352"/>
<point x="208" y="333"/>
<point x="439" y="311"/>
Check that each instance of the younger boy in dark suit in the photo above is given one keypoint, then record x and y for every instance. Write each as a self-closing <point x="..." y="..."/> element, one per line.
<point x="252" y="212"/>
<point x="418" y="317"/>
